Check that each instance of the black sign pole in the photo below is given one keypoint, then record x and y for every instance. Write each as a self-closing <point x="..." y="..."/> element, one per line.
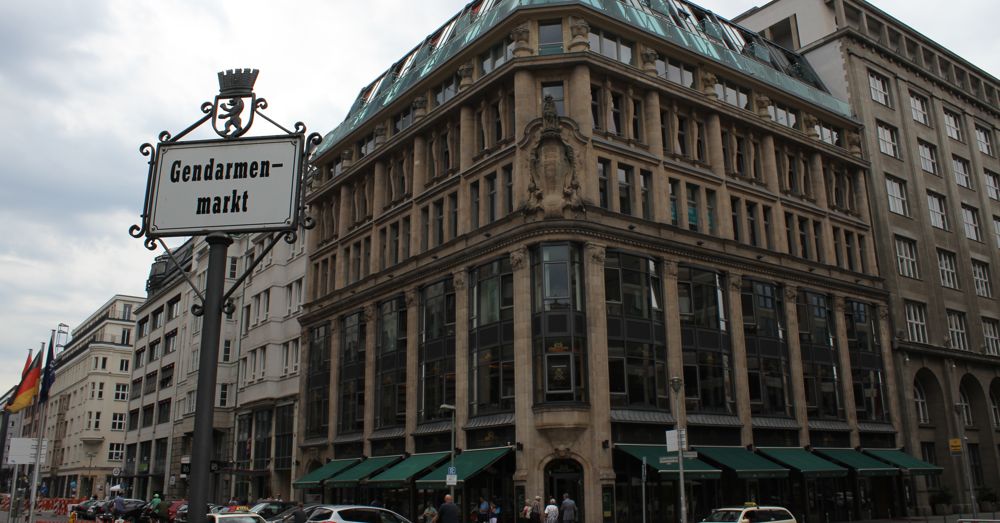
<point x="201" y="455"/>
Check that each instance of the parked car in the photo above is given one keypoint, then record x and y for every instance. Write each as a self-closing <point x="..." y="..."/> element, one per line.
<point x="234" y="517"/>
<point x="354" y="514"/>
<point x="750" y="513"/>
<point x="81" y="508"/>
<point x="269" y="509"/>
<point x="288" y="516"/>
<point x="182" y="512"/>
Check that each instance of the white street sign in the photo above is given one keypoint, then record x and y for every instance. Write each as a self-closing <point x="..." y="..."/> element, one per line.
<point x="451" y="480"/>
<point x="668" y="460"/>
<point x="247" y="185"/>
<point x="22" y="451"/>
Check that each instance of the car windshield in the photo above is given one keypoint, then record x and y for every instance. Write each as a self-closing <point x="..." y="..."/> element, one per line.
<point x="724" y="515"/>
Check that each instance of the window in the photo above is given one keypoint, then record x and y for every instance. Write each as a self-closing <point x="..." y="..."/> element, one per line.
<point x="928" y="157"/>
<point x="170" y="342"/>
<point x="611" y="45"/>
<point x="957" y="332"/>
<point x="233" y="266"/>
<point x="906" y="257"/>
<point x="116" y="451"/>
<point x="625" y="184"/>
<point x="224" y="394"/>
<point x="783" y="115"/>
<point x="953" y="125"/>
<point x="879" y="88"/>
<point x="676" y="71"/>
<point x="896" y="189"/>
<point x="491" y="343"/>
<point x="123" y="365"/>
<point x="491" y="198"/>
<point x="996" y="229"/>
<point x="603" y="168"/>
<point x="163" y="411"/>
<point x="733" y="94"/>
<point x="970" y="219"/>
<point x="490" y="60"/>
<point x="290" y="356"/>
<point x="352" y="371"/>
<point x="991" y="334"/>
<point x="916" y="321"/>
<point x="995" y="409"/>
<point x="550" y="38"/>
<point x="142" y="328"/>
<point x="984" y="137"/>
<point x="173" y="308"/>
<point x="888" y="141"/>
<point x="918" y="106"/>
<point x="965" y="408"/>
<point x="946" y="266"/>
<point x="555" y="90"/>
<point x="507" y="174"/>
<point x="963" y="174"/>
<point x="992" y="184"/>
<point x="121" y="391"/>
<point x="157" y="319"/>
<point x="474" y="204"/>
<point x="560" y="348"/>
<point x="167" y="377"/>
<point x="646" y="191"/>
<point x="936" y="206"/>
<point x="617" y="110"/>
<point x="920" y="400"/>
<point x="981" y="277"/>
<point x="118" y="421"/>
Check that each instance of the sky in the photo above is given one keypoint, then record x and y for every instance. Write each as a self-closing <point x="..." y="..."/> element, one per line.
<point x="83" y="84"/>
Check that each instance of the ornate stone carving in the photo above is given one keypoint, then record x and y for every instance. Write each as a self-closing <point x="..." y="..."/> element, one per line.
<point x="708" y="81"/>
<point x="883" y="312"/>
<point x="671" y="268"/>
<point x="465" y="75"/>
<point x="346" y="156"/>
<point x="791" y="292"/>
<point x="518" y="258"/>
<point x="596" y="252"/>
<point x="578" y="27"/>
<point x="411" y="298"/>
<point x="649" y="58"/>
<point x="735" y="282"/>
<point x="809" y="124"/>
<point x="853" y="140"/>
<point x="458" y="280"/>
<point x="553" y="187"/>
<point x="520" y="35"/>
<point x="419" y="102"/>
<point x="761" y="102"/>
<point x="379" y="134"/>
<point x="369" y="313"/>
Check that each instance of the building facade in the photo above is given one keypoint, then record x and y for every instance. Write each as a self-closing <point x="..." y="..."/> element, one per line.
<point x="86" y="412"/>
<point x="547" y="212"/>
<point x="931" y="120"/>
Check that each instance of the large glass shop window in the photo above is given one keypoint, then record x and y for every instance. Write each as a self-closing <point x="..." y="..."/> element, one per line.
<point x="491" y="337"/>
<point x="820" y="373"/>
<point x="317" y="382"/>
<point x="767" y="350"/>
<point x="352" y="374"/>
<point x="437" y="350"/>
<point x="708" y="367"/>
<point x="559" y="324"/>
<point x="867" y="368"/>
<point x="637" y="349"/>
<point x="390" y="364"/>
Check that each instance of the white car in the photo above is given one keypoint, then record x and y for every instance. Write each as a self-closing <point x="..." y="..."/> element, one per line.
<point x="353" y="514"/>
<point x="234" y="517"/>
<point x="750" y="513"/>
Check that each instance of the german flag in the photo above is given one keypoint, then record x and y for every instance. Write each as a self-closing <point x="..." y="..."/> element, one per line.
<point x="26" y="391"/>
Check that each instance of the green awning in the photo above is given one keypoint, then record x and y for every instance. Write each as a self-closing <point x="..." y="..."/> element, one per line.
<point x="467" y="465"/>
<point x="800" y="459"/>
<point x="858" y="462"/>
<point x="353" y="475"/>
<point x="402" y="472"/>
<point x="904" y="461"/>
<point x="744" y="463"/>
<point x="315" y="478"/>
<point x="693" y="468"/>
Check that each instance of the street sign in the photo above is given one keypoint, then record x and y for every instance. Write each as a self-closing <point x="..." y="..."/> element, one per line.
<point x="955" y="446"/>
<point x="668" y="460"/>
<point x="248" y="185"/>
<point x="22" y="451"/>
<point x="690" y="454"/>
<point x="117" y="471"/>
<point x="452" y="471"/>
<point x="451" y="480"/>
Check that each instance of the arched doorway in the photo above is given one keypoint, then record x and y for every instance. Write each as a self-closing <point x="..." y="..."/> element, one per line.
<point x="565" y="476"/>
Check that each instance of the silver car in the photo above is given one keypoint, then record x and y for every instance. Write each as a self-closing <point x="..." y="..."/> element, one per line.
<point x="354" y="514"/>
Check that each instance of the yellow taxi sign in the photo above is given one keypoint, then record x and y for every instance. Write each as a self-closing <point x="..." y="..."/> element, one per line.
<point x="955" y="445"/>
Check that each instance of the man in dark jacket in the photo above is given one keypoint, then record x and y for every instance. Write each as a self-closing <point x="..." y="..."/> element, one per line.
<point x="568" y="509"/>
<point x="448" y="511"/>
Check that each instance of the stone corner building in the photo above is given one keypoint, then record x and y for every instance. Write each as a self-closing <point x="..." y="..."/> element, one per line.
<point x="547" y="210"/>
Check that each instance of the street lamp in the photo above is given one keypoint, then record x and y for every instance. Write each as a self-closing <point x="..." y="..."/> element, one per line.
<point x="959" y="407"/>
<point x="445" y="406"/>
<point x="677" y="384"/>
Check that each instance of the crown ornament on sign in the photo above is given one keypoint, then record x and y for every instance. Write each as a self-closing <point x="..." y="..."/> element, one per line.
<point x="237" y="82"/>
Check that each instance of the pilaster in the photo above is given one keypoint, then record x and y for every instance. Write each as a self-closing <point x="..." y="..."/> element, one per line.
<point x="675" y="348"/>
<point x="795" y="362"/>
<point x="370" y="338"/>
<point x="738" y="344"/>
<point x="412" y="364"/>
<point x="458" y="279"/>
<point x="523" y="391"/>
<point x="844" y="363"/>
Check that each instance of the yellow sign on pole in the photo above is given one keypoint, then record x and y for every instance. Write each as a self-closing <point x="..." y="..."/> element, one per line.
<point x="955" y="445"/>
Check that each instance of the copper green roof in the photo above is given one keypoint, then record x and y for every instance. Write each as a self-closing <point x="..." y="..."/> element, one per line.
<point x="676" y="21"/>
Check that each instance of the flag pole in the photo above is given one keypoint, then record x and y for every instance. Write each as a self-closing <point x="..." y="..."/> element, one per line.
<point x="38" y="448"/>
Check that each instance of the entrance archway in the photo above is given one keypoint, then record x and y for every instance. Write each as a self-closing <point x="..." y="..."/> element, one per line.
<point x="565" y="476"/>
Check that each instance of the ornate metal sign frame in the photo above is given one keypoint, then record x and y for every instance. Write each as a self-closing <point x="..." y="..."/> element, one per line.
<point x="232" y="114"/>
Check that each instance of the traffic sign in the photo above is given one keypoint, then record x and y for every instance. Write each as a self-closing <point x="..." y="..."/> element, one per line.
<point x="451" y="480"/>
<point x="452" y="471"/>
<point x="955" y="445"/>
<point x="668" y="460"/>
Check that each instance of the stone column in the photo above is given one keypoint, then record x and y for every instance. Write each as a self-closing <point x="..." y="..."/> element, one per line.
<point x="412" y="364"/>
<point x="769" y="164"/>
<point x="795" y="363"/>
<point x="597" y="347"/>
<point x="524" y="430"/>
<point x="861" y="189"/>
<point x="465" y="75"/>
<point x="579" y="30"/>
<point x="716" y="159"/>
<point x="844" y="363"/>
<point x="654" y="136"/>
<point x="419" y="165"/>
<point x="682" y="204"/>
<point x="378" y="190"/>
<point x="370" y="338"/>
<point x="467" y="136"/>
<point x="579" y="99"/>
<point x="461" y="355"/>
<point x="334" y="399"/>
<point x="524" y="90"/>
<point x="889" y="363"/>
<point x="675" y="349"/>
<point x="740" y="379"/>
<point x="520" y="36"/>
<point x="346" y="205"/>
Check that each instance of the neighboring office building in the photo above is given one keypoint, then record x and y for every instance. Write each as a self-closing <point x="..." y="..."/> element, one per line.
<point x="931" y="120"/>
<point x="87" y="407"/>
<point x="690" y="203"/>
<point x="165" y="375"/>
<point x="268" y="353"/>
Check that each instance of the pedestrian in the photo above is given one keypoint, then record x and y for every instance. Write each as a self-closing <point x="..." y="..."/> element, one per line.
<point x="551" y="512"/>
<point x="162" y="511"/>
<point x="118" y="507"/>
<point x="526" y="511"/>
<point x="536" y="510"/>
<point x="494" y="512"/>
<point x="568" y="509"/>
<point x="299" y="516"/>
<point x="448" y="512"/>
<point x="430" y="513"/>
<point x="483" y="512"/>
